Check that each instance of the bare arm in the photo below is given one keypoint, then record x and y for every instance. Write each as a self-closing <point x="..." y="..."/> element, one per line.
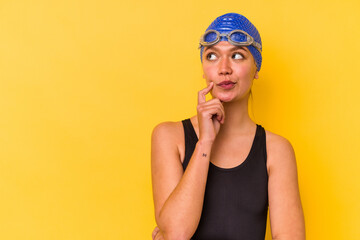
<point x="178" y="196"/>
<point x="285" y="210"/>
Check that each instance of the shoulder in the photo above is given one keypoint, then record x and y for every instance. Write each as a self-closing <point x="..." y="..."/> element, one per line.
<point x="168" y="130"/>
<point x="169" y="135"/>
<point x="280" y="151"/>
<point x="277" y="142"/>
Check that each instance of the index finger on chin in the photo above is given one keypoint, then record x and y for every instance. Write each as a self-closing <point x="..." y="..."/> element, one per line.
<point x="156" y="230"/>
<point x="202" y="93"/>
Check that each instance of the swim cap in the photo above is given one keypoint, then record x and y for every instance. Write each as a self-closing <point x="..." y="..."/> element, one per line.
<point x="234" y="21"/>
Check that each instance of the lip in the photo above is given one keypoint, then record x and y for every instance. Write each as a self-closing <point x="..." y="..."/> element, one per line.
<point x="226" y="84"/>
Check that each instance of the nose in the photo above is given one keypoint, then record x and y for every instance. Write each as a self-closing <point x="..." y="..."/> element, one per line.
<point x="225" y="67"/>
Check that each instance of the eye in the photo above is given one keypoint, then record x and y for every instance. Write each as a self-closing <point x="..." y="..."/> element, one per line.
<point x="237" y="56"/>
<point x="211" y="56"/>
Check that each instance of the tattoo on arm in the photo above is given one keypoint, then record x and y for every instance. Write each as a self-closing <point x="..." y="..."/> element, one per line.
<point x="204" y="154"/>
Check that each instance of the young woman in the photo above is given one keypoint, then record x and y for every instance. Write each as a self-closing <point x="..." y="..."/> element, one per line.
<point x="216" y="175"/>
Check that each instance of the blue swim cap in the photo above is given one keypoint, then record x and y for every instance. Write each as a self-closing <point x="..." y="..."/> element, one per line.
<point x="234" y="21"/>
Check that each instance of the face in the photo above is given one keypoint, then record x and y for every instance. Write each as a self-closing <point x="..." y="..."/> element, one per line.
<point x="226" y="62"/>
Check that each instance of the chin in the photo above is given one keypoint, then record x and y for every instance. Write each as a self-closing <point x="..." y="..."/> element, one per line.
<point x="226" y="99"/>
<point x="223" y="97"/>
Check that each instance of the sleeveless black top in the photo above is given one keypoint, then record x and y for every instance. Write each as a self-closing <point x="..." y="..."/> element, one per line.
<point x="236" y="199"/>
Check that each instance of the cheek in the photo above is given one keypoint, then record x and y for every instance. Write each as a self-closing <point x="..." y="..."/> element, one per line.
<point x="244" y="70"/>
<point x="208" y="72"/>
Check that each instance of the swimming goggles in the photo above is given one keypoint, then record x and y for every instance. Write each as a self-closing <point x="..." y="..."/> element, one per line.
<point x="235" y="37"/>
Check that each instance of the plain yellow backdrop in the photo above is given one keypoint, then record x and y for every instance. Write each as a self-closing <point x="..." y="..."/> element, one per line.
<point x="83" y="83"/>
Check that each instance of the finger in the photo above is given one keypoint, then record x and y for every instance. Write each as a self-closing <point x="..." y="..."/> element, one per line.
<point x="156" y="230"/>
<point x="202" y="93"/>
<point x="215" y="102"/>
<point x="159" y="236"/>
<point x="222" y="111"/>
<point x="214" y="111"/>
<point x="154" y="235"/>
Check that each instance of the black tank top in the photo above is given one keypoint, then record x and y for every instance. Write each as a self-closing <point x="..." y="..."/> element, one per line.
<point x="236" y="199"/>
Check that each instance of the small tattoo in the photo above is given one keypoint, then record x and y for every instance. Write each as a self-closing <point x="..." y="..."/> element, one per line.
<point x="204" y="154"/>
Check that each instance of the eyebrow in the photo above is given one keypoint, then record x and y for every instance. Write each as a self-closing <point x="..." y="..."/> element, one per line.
<point x="231" y="49"/>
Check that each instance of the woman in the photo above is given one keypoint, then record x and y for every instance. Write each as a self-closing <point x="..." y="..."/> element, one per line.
<point x="216" y="174"/>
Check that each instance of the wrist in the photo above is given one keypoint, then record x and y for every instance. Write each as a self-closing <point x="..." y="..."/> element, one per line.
<point x="205" y="142"/>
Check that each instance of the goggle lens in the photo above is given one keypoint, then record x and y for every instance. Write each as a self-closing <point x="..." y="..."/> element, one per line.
<point x="210" y="37"/>
<point x="238" y="37"/>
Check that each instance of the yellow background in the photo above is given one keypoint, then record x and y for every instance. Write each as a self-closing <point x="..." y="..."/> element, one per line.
<point x="83" y="83"/>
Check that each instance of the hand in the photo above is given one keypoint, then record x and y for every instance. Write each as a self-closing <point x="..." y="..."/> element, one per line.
<point x="157" y="234"/>
<point x="210" y="115"/>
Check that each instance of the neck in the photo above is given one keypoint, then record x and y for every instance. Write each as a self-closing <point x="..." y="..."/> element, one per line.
<point x="237" y="119"/>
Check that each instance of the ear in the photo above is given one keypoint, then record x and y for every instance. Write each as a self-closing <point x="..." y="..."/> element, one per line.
<point x="256" y="75"/>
